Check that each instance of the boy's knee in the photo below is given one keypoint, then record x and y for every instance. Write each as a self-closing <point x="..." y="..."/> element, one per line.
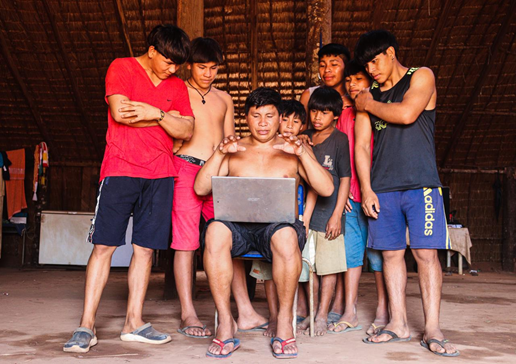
<point x="218" y="236"/>
<point x="102" y="251"/>
<point x="425" y="256"/>
<point x="284" y="242"/>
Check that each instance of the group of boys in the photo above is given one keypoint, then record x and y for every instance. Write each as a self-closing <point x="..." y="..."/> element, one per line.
<point x="156" y="162"/>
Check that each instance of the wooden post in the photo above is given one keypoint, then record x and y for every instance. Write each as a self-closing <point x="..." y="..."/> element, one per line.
<point x="509" y="222"/>
<point x="319" y="31"/>
<point x="190" y="18"/>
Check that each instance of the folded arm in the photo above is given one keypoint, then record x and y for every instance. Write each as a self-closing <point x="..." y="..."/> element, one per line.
<point x="420" y="96"/>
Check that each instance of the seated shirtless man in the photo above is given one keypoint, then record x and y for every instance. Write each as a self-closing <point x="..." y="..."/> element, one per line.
<point x="262" y="154"/>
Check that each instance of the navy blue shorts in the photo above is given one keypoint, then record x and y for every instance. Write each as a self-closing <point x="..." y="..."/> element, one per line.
<point x="257" y="236"/>
<point x="421" y="210"/>
<point x="150" y="202"/>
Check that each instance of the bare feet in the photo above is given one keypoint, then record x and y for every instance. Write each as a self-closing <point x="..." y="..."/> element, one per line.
<point x="224" y="332"/>
<point x="321" y="326"/>
<point x="249" y="322"/>
<point x="197" y="330"/>
<point x="271" y="328"/>
<point x="303" y="326"/>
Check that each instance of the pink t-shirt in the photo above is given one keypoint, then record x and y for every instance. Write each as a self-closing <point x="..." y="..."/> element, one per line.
<point x="141" y="152"/>
<point x="346" y="124"/>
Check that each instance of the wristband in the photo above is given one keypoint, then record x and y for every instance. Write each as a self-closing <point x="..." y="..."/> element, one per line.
<point x="161" y="115"/>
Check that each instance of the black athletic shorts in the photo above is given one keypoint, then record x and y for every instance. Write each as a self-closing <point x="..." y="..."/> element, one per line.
<point x="255" y="236"/>
<point x="150" y="202"/>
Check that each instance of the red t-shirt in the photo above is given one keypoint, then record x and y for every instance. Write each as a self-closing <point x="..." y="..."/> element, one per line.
<point x="346" y="124"/>
<point x="141" y="152"/>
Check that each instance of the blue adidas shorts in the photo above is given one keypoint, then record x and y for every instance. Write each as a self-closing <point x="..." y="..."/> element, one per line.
<point x="421" y="210"/>
<point x="150" y="202"/>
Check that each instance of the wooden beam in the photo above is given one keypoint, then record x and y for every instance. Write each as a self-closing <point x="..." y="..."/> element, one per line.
<point x="319" y="33"/>
<point x="254" y="45"/>
<point x="445" y="13"/>
<point x="120" y="15"/>
<point x="459" y="126"/>
<point x="81" y="109"/>
<point x="190" y="18"/>
<point x="509" y="222"/>
<point x="40" y="123"/>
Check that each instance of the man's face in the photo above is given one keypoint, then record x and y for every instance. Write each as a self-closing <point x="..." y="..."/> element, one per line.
<point x="380" y="67"/>
<point x="290" y="125"/>
<point x="356" y="83"/>
<point x="263" y="122"/>
<point x="321" y="120"/>
<point x="331" y="70"/>
<point x="203" y="74"/>
<point x="162" y="67"/>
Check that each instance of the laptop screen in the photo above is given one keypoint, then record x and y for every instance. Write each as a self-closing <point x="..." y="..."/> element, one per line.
<point x="254" y="199"/>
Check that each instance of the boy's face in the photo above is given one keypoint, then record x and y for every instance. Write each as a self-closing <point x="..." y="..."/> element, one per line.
<point x="380" y="67"/>
<point x="331" y="70"/>
<point x="321" y="120"/>
<point x="263" y="122"/>
<point x="290" y="125"/>
<point x="162" y="67"/>
<point x="203" y="74"/>
<point x="356" y="83"/>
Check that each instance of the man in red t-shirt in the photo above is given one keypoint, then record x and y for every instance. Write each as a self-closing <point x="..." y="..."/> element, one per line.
<point x="148" y="108"/>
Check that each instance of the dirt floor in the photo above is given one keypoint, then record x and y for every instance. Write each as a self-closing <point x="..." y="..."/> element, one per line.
<point x="39" y="309"/>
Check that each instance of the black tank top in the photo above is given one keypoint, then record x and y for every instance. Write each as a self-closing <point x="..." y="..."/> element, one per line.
<point x="403" y="155"/>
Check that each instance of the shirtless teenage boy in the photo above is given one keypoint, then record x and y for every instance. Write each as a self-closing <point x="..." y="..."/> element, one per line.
<point x="213" y="110"/>
<point x="263" y="154"/>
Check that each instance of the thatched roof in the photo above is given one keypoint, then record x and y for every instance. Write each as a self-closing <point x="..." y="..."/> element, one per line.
<point x="55" y="53"/>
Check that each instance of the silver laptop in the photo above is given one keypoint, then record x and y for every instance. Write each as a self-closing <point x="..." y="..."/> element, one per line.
<point x="254" y="199"/>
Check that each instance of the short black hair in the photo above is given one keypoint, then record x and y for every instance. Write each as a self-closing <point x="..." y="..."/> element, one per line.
<point x="373" y="43"/>
<point x="289" y="107"/>
<point x="326" y="99"/>
<point x="205" y="50"/>
<point x="262" y="96"/>
<point x="171" y="41"/>
<point x="353" y="68"/>
<point x="334" y="49"/>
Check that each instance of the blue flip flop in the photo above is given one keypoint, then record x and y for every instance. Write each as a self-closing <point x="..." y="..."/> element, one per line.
<point x="283" y="343"/>
<point x="394" y="338"/>
<point x="222" y="344"/>
<point x="183" y="332"/>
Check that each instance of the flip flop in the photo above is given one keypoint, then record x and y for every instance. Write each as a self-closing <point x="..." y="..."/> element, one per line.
<point x="347" y="329"/>
<point x="375" y="327"/>
<point x="261" y="327"/>
<point x="333" y="317"/>
<point x="283" y="343"/>
<point x="222" y="344"/>
<point x="146" y="334"/>
<point x="300" y="319"/>
<point x="426" y="345"/>
<point x="395" y="338"/>
<point x="183" y="332"/>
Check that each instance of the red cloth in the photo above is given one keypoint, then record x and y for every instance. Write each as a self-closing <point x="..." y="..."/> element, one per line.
<point x="346" y="124"/>
<point x="15" y="188"/>
<point x="141" y="152"/>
